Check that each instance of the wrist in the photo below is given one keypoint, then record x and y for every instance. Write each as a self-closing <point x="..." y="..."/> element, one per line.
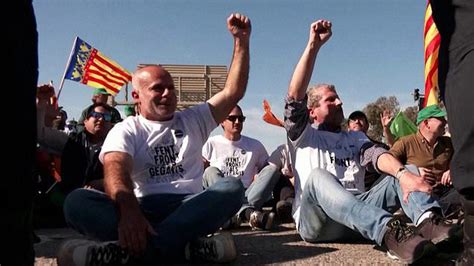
<point x="400" y="172"/>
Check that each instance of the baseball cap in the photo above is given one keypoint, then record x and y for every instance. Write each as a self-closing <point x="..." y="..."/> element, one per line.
<point x="357" y="114"/>
<point x="428" y="112"/>
<point x="100" y="91"/>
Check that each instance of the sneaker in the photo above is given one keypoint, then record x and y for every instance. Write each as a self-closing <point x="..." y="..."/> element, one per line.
<point x="283" y="210"/>
<point x="81" y="252"/>
<point x="219" y="248"/>
<point x="437" y="229"/>
<point x="403" y="243"/>
<point x="261" y="221"/>
<point x="232" y="223"/>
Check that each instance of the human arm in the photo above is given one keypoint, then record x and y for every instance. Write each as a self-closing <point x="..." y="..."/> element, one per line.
<point x="319" y="33"/>
<point x="50" y="138"/>
<point x="133" y="227"/>
<point x="223" y="102"/>
<point x="409" y="182"/>
<point x="385" y="120"/>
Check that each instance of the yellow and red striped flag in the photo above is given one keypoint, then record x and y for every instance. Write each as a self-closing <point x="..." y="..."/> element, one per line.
<point x="432" y="41"/>
<point x="89" y="66"/>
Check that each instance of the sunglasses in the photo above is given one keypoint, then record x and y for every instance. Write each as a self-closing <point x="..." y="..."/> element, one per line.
<point x="233" y="118"/>
<point x="97" y="115"/>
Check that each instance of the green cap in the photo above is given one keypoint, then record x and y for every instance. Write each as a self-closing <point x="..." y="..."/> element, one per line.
<point x="100" y="91"/>
<point x="428" y="112"/>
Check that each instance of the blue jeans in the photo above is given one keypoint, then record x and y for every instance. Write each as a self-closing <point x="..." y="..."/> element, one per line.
<point x="176" y="218"/>
<point x="329" y="213"/>
<point x="259" y="191"/>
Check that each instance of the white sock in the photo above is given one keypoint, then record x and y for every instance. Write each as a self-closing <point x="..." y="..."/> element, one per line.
<point x="423" y="217"/>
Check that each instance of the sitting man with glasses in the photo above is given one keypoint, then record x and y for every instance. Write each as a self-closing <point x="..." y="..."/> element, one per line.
<point x="233" y="154"/>
<point x="80" y="165"/>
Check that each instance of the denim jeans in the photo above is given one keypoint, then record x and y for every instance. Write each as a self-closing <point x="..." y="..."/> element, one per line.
<point x="329" y="213"/>
<point x="259" y="191"/>
<point x="176" y="218"/>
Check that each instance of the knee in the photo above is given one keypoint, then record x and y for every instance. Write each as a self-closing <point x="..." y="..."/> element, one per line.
<point x="212" y="171"/>
<point x="310" y="234"/>
<point x="74" y="202"/>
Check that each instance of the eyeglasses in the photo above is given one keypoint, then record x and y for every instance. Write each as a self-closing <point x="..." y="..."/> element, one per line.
<point x="233" y="118"/>
<point x="97" y="115"/>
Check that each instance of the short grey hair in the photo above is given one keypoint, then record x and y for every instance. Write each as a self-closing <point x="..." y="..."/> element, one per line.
<point x="314" y="93"/>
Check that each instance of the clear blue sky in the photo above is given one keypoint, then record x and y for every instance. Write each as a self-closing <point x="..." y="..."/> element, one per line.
<point x="376" y="48"/>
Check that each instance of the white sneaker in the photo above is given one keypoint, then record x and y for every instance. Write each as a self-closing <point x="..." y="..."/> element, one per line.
<point x="218" y="248"/>
<point x="81" y="252"/>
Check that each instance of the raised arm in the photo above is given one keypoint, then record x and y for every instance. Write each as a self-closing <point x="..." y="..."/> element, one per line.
<point x="223" y="102"/>
<point x="48" y="137"/>
<point x="319" y="33"/>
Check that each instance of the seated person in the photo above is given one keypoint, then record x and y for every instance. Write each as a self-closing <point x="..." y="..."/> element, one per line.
<point x="329" y="165"/>
<point x="431" y="152"/>
<point x="79" y="153"/>
<point x="154" y="207"/>
<point x="233" y="154"/>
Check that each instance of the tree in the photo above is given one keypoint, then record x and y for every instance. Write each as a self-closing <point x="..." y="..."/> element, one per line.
<point x="411" y="112"/>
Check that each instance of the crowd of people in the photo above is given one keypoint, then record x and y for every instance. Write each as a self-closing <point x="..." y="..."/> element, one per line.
<point x="154" y="186"/>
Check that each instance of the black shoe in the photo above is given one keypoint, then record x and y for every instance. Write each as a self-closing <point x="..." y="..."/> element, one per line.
<point x="283" y="210"/>
<point x="403" y="243"/>
<point x="261" y="221"/>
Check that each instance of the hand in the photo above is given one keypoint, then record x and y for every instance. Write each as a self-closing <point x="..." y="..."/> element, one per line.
<point x="446" y="178"/>
<point x="320" y="31"/>
<point x="133" y="229"/>
<point x="239" y="26"/>
<point x="410" y="183"/>
<point x="44" y="93"/>
<point x="386" y="118"/>
<point x="427" y="175"/>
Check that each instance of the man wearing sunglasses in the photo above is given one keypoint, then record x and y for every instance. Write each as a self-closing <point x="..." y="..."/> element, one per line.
<point x="244" y="158"/>
<point x="154" y="207"/>
<point x="79" y="153"/>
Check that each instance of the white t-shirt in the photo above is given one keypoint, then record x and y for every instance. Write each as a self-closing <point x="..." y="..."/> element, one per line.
<point x="281" y="159"/>
<point x="338" y="153"/>
<point x="166" y="155"/>
<point x="242" y="159"/>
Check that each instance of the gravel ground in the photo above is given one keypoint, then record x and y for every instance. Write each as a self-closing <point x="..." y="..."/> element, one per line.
<point x="281" y="246"/>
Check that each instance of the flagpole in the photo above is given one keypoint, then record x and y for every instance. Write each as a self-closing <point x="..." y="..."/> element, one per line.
<point x="67" y="65"/>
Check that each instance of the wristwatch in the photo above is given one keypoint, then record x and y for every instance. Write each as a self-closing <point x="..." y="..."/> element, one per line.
<point x="400" y="172"/>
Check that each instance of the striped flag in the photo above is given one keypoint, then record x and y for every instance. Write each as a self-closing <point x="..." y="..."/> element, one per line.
<point x="89" y="66"/>
<point x="432" y="41"/>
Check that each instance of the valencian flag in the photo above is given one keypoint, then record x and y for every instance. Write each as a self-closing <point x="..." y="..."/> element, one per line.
<point x="89" y="66"/>
<point x="432" y="41"/>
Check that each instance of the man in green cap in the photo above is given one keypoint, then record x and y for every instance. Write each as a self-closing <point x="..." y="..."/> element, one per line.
<point x="99" y="95"/>
<point x="431" y="152"/>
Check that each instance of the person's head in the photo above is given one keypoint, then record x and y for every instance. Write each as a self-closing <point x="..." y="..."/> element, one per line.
<point x="358" y="122"/>
<point x="234" y="123"/>
<point x="154" y="93"/>
<point x="98" y="120"/>
<point x="324" y="105"/>
<point x="60" y="121"/>
<point x="100" y="96"/>
<point x="431" y="120"/>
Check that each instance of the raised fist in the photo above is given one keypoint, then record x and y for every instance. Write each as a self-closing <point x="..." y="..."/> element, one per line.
<point x="239" y="25"/>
